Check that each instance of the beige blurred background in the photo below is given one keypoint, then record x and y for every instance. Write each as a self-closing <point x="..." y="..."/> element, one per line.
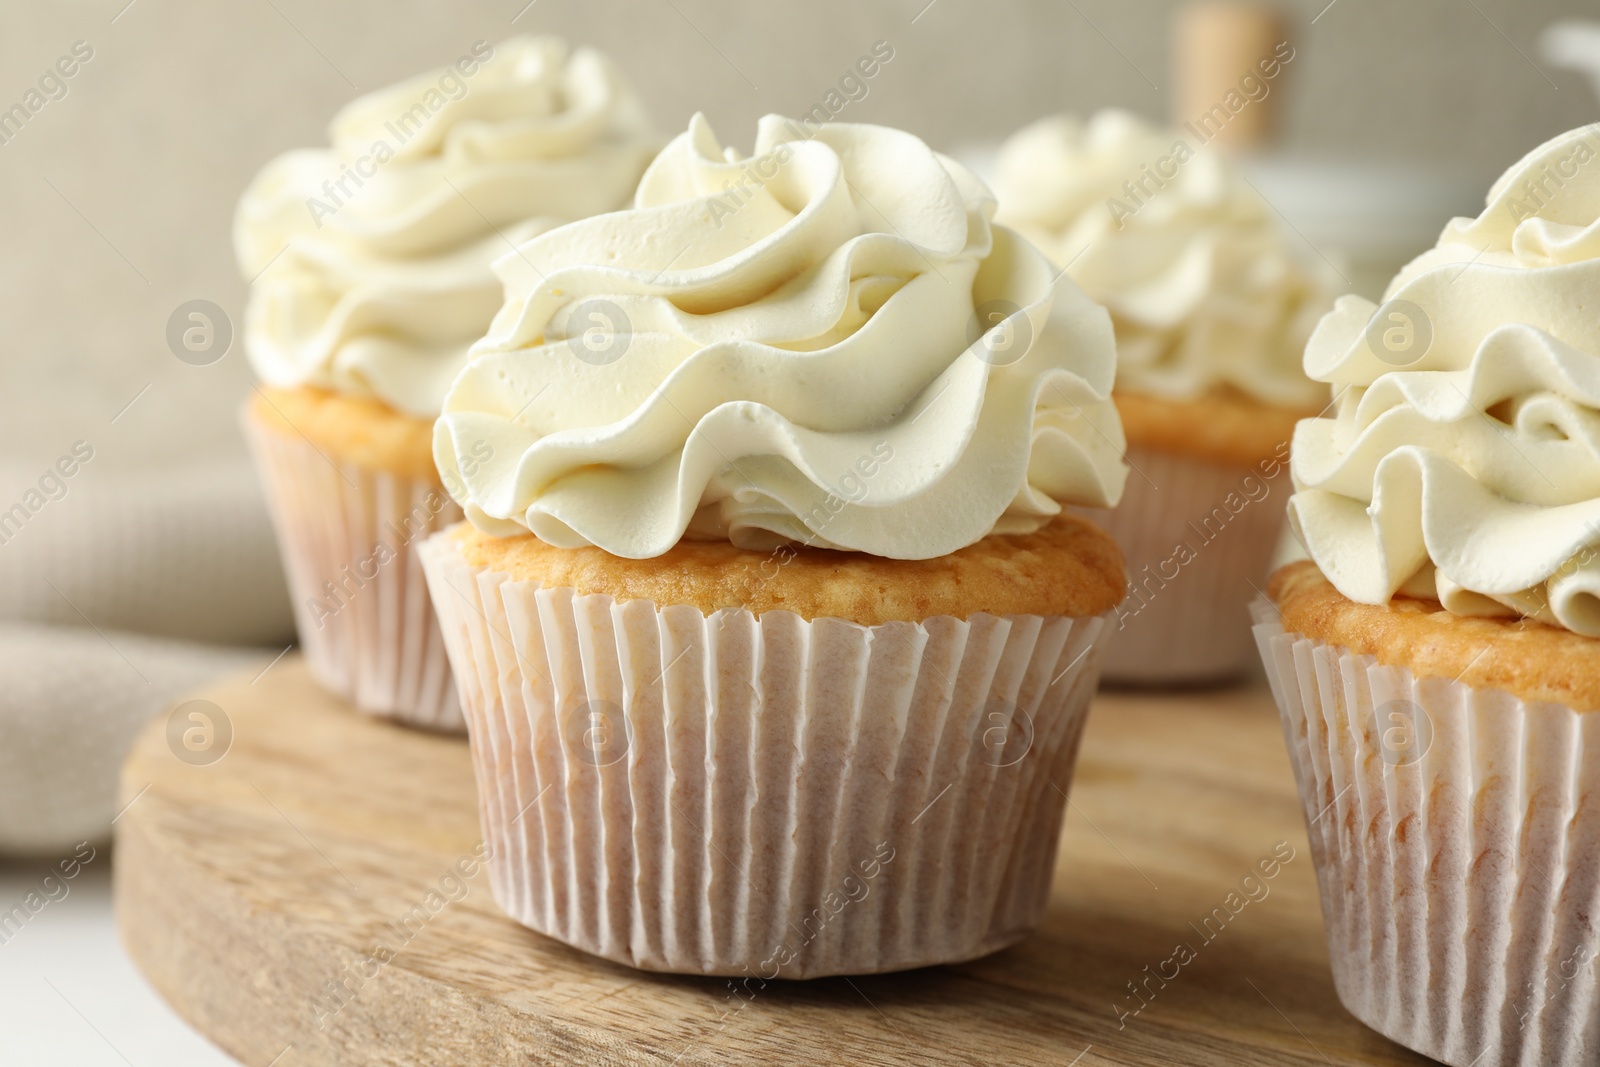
<point x="115" y="201"/>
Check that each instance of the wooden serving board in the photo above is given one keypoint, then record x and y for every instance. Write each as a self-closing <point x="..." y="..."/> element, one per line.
<point x="248" y="886"/>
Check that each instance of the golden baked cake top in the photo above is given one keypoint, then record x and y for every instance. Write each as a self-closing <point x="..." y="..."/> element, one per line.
<point x="1527" y="659"/>
<point x="350" y="429"/>
<point x="1068" y="567"/>
<point x="1224" y="426"/>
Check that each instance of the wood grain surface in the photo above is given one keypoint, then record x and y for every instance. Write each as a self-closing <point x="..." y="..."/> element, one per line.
<point x="264" y="882"/>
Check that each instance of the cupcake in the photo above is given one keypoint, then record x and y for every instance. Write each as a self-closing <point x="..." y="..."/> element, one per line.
<point x="371" y="278"/>
<point x="1211" y="312"/>
<point x="773" y="637"/>
<point x="1437" y="661"/>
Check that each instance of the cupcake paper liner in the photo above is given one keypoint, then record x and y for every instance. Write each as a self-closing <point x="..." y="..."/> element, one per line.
<point x="348" y="536"/>
<point x="1456" y="836"/>
<point x="1195" y="536"/>
<point x="764" y="796"/>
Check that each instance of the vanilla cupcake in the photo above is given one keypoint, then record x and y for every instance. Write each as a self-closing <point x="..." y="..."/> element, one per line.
<point x="1211" y="313"/>
<point x="370" y="264"/>
<point x="1437" y="665"/>
<point x="774" y="641"/>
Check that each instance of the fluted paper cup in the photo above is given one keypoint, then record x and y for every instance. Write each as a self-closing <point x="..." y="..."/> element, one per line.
<point x="348" y="535"/>
<point x="1199" y="540"/>
<point x="764" y="796"/>
<point x="1456" y="836"/>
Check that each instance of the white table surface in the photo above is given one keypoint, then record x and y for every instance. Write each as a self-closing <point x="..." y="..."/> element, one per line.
<point x="69" y="995"/>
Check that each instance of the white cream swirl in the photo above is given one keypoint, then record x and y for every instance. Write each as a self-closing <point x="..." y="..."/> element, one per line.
<point x="1202" y="286"/>
<point x="1468" y="468"/>
<point x="374" y="255"/>
<point x="785" y="348"/>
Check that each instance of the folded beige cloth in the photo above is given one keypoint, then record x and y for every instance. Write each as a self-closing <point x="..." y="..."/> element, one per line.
<point x="73" y="701"/>
<point x="183" y="552"/>
<point x="116" y="601"/>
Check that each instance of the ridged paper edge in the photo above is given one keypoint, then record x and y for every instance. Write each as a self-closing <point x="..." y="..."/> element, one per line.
<point x="371" y="635"/>
<point x="1198" y="539"/>
<point x="1456" y="836"/>
<point x="790" y="798"/>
